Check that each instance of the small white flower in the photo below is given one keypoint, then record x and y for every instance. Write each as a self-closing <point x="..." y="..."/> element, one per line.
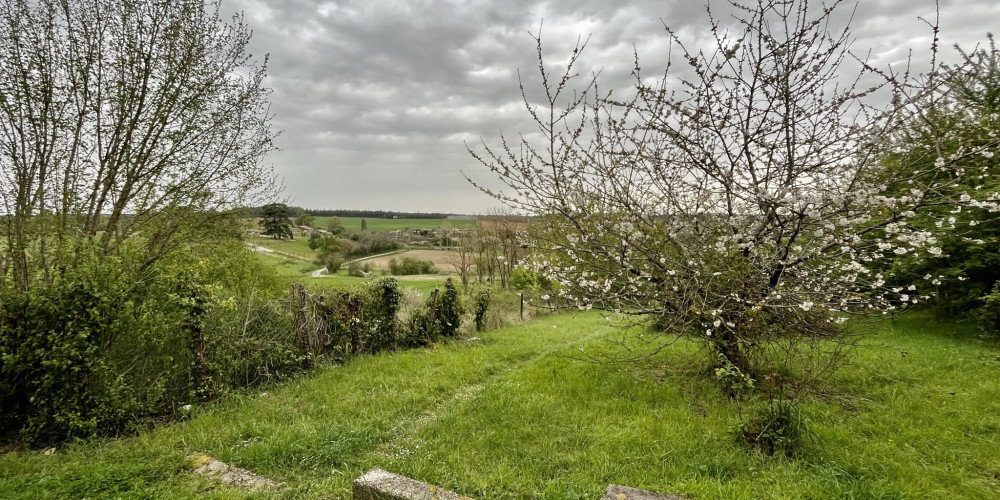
<point x="807" y="305"/>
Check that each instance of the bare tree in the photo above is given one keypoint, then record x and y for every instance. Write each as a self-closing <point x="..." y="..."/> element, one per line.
<point x="462" y="258"/>
<point x="132" y="120"/>
<point x="742" y="199"/>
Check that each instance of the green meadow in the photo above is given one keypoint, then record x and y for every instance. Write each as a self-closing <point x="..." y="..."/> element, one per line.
<point x="514" y="415"/>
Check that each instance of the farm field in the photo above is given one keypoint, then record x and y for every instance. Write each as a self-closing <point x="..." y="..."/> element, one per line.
<point x="514" y="416"/>
<point x="354" y="223"/>
<point x="442" y="259"/>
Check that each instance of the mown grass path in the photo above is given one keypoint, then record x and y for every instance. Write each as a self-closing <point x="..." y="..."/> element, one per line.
<point x="512" y="417"/>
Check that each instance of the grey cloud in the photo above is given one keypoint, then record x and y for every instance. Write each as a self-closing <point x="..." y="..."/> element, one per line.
<point x="376" y="97"/>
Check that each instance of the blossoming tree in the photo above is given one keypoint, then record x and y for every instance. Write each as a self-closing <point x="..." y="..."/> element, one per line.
<point x="744" y="199"/>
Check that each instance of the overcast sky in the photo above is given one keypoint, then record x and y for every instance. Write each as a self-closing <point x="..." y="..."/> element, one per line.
<point x="375" y="98"/>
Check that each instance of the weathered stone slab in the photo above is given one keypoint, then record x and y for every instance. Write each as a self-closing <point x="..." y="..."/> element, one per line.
<point x="378" y="484"/>
<point x="619" y="492"/>
<point x="229" y="475"/>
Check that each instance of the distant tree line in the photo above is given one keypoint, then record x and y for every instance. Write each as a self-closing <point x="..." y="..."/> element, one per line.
<point x="371" y="214"/>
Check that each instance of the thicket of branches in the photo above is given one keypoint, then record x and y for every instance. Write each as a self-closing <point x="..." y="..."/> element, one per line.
<point x="120" y="121"/>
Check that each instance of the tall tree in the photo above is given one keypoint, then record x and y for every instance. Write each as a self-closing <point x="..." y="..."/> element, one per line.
<point x="740" y="199"/>
<point x="122" y="120"/>
<point x="275" y="221"/>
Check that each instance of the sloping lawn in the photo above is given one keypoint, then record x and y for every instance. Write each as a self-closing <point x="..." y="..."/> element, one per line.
<point x="916" y="416"/>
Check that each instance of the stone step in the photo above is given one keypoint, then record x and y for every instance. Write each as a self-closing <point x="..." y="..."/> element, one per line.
<point x="619" y="492"/>
<point x="378" y="484"/>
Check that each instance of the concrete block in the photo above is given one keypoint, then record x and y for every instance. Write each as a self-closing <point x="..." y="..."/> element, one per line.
<point x="378" y="484"/>
<point x="619" y="492"/>
<point x="229" y="475"/>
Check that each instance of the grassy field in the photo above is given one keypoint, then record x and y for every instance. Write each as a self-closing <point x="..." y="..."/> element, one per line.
<point x="291" y="269"/>
<point x="354" y="223"/>
<point x="916" y="416"/>
<point x="299" y="247"/>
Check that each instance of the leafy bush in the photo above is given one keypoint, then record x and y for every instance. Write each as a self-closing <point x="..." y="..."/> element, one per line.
<point x="49" y="347"/>
<point x="361" y="319"/>
<point x="331" y="260"/>
<point x="372" y="244"/>
<point x="775" y="426"/>
<point x="482" y="303"/>
<point x="359" y="270"/>
<point x="734" y="382"/>
<point x="410" y="266"/>
<point x="989" y="314"/>
<point x="249" y="343"/>
<point x="528" y="280"/>
<point x="448" y="310"/>
<point x="115" y="342"/>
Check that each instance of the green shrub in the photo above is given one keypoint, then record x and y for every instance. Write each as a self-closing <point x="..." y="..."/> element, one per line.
<point x="482" y="303"/>
<point x="383" y="301"/>
<point x="989" y="314"/>
<point x="98" y="352"/>
<point x="410" y="266"/>
<point x="359" y="270"/>
<point x="49" y="347"/>
<point x="359" y="319"/>
<point x="734" y="382"/>
<point x="448" y="310"/>
<point x="775" y="426"/>
<point x="372" y="244"/>
<point x="331" y="260"/>
<point x="248" y="343"/>
<point x="115" y="343"/>
<point x="526" y="280"/>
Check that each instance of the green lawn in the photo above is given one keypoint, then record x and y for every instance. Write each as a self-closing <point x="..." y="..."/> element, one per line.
<point x="513" y="417"/>
<point x="354" y="223"/>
